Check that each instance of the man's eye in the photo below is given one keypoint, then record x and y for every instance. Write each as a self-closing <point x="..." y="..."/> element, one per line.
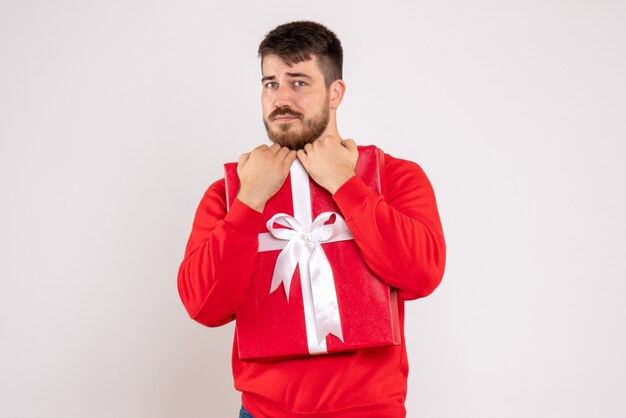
<point x="299" y="83"/>
<point x="271" y="85"/>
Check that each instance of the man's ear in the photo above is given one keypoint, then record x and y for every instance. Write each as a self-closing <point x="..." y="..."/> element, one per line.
<point x="336" y="91"/>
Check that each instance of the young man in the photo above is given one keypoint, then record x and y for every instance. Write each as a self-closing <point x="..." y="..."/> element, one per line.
<point x="398" y="233"/>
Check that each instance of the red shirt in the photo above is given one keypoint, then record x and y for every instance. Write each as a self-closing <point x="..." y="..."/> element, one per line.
<point x="400" y="237"/>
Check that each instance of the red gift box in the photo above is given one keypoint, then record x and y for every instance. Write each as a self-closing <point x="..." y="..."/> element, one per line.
<point x="311" y="291"/>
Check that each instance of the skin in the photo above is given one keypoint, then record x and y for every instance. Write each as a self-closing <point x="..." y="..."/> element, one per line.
<point x="329" y="160"/>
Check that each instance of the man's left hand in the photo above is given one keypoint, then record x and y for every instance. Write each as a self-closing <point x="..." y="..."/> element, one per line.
<point x="330" y="161"/>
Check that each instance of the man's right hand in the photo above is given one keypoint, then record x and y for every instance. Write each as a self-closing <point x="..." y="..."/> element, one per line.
<point x="262" y="173"/>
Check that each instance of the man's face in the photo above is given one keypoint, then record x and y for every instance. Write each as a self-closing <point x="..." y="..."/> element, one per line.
<point x="295" y="102"/>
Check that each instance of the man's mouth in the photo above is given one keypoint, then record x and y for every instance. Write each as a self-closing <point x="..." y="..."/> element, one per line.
<point x="285" y="118"/>
<point x="284" y="115"/>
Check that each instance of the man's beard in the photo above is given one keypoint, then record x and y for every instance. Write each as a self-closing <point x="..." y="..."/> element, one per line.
<point x="288" y="136"/>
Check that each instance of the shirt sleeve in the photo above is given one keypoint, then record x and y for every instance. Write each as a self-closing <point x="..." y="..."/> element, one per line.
<point x="219" y="258"/>
<point x="399" y="232"/>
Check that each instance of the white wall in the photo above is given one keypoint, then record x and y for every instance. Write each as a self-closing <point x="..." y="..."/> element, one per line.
<point x="115" y="116"/>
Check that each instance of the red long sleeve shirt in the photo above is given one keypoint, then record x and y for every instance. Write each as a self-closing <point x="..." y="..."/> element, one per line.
<point x="400" y="237"/>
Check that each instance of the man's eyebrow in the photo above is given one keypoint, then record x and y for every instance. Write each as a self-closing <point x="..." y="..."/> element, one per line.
<point x="292" y="75"/>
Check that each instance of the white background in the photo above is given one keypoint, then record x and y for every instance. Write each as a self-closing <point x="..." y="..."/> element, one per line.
<point x="116" y="116"/>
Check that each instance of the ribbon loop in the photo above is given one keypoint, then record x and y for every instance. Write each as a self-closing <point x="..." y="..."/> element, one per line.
<point x="304" y="249"/>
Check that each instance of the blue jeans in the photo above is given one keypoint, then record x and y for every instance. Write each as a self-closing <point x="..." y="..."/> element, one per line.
<point x="244" y="414"/>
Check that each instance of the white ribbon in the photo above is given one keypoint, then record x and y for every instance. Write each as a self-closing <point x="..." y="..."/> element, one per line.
<point x="300" y="240"/>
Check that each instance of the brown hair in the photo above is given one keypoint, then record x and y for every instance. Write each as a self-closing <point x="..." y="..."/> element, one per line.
<point x="295" y="42"/>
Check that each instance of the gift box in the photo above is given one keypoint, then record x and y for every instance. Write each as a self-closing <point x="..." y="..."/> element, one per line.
<point x="311" y="291"/>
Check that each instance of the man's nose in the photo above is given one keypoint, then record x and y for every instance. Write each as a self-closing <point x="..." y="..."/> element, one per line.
<point x="283" y="96"/>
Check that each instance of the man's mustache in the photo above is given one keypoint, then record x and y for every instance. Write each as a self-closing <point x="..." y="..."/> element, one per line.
<point x="284" y="111"/>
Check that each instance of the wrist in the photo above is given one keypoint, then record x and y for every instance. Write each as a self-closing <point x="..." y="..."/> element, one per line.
<point x="336" y="185"/>
<point x="253" y="202"/>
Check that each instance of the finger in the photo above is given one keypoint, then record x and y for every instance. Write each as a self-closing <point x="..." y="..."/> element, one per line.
<point x="274" y="148"/>
<point x="290" y="158"/>
<point x="350" y="144"/>
<point x="260" y="148"/>
<point x="243" y="158"/>
<point x="308" y="148"/>
<point x="304" y="159"/>
<point x="330" y="138"/>
<point x="282" y="153"/>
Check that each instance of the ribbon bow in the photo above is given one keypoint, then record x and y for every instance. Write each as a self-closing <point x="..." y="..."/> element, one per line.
<point x="304" y="249"/>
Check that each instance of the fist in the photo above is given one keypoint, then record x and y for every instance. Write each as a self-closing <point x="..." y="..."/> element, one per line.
<point x="330" y="161"/>
<point x="262" y="173"/>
